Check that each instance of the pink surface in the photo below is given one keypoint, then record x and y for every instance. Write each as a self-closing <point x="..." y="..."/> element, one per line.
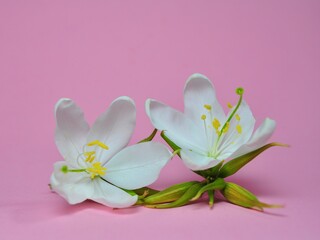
<point x="95" y="51"/>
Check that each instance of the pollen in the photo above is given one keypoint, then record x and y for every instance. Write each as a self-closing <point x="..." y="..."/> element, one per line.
<point x="208" y="107"/>
<point x="237" y="117"/>
<point x="203" y="117"/>
<point x="98" y="143"/>
<point x="216" y="124"/>
<point x="96" y="170"/>
<point x="229" y="105"/>
<point x="239" y="129"/>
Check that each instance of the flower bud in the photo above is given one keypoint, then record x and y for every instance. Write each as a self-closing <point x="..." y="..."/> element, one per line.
<point x="242" y="197"/>
<point x="170" y="194"/>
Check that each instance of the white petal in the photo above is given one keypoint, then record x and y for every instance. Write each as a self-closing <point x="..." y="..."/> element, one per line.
<point x="179" y="128"/>
<point x="138" y="165"/>
<point x="198" y="92"/>
<point x="72" y="186"/>
<point x="258" y="139"/>
<point x="114" y="127"/>
<point x="232" y="140"/>
<point x="196" y="161"/>
<point x="71" y="129"/>
<point x="111" y="196"/>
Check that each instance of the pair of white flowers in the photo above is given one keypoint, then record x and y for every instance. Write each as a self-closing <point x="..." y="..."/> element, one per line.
<point x="99" y="166"/>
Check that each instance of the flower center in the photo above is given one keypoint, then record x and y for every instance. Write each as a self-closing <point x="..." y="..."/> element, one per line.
<point x="218" y="128"/>
<point x="94" y="168"/>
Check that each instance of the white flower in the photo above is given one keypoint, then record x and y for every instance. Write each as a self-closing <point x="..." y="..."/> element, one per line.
<point x="97" y="164"/>
<point x="204" y="133"/>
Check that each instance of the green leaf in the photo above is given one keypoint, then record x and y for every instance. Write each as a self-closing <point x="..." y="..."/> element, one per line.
<point x="183" y="200"/>
<point x="218" y="184"/>
<point x="236" y="164"/>
<point x="148" y="139"/>
<point x="169" y="194"/>
<point x="170" y="143"/>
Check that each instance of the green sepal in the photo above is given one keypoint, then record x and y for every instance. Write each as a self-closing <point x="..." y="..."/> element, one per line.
<point x="210" y="173"/>
<point x="183" y="200"/>
<point x="151" y="136"/>
<point x="218" y="184"/>
<point x="169" y="194"/>
<point x="145" y="191"/>
<point x="170" y="143"/>
<point x="236" y="164"/>
<point x="242" y="197"/>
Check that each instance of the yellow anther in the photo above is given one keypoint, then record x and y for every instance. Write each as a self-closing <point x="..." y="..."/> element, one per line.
<point x="96" y="170"/>
<point x="98" y="143"/>
<point x="90" y="158"/>
<point x="237" y="117"/>
<point x="229" y="105"/>
<point x="216" y="124"/>
<point x="208" y="107"/>
<point x="239" y="129"/>
<point x="203" y="117"/>
<point x="226" y="128"/>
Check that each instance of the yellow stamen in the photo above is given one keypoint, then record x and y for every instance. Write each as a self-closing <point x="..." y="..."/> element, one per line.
<point x="96" y="170"/>
<point x="226" y="128"/>
<point x="203" y="117"/>
<point x="237" y="117"/>
<point x="239" y="129"/>
<point x="229" y="105"/>
<point x="216" y="124"/>
<point x="208" y="107"/>
<point x="98" y="143"/>
<point x="90" y="156"/>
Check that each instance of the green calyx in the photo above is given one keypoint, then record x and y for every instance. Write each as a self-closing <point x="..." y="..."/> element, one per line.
<point x="236" y="164"/>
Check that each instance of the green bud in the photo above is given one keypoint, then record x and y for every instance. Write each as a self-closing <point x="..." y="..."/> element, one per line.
<point x="183" y="200"/>
<point x="169" y="194"/>
<point x="242" y="197"/>
<point x="236" y="164"/>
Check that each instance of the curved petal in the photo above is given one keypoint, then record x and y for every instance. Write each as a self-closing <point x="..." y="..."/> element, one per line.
<point x="179" y="128"/>
<point x="111" y="196"/>
<point x="71" y="130"/>
<point x="72" y="186"/>
<point x="258" y="139"/>
<point x="138" y="165"/>
<point x="196" y="161"/>
<point x="114" y="127"/>
<point x="198" y="92"/>
<point x="232" y="139"/>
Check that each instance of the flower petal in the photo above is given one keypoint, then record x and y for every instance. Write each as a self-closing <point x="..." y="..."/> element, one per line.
<point x="114" y="127"/>
<point x="73" y="186"/>
<point x="71" y="129"/>
<point x="196" y="161"/>
<point x="111" y="196"/>
<point x="258" y="139"/>
<point x="179" y="128"/>
<point x="232" y="140"/>
<point x="138" y="165"/>
<point x="198" y="92"/>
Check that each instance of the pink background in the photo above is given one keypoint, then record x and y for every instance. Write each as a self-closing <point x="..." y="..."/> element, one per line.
<point x="95" y="51"/>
